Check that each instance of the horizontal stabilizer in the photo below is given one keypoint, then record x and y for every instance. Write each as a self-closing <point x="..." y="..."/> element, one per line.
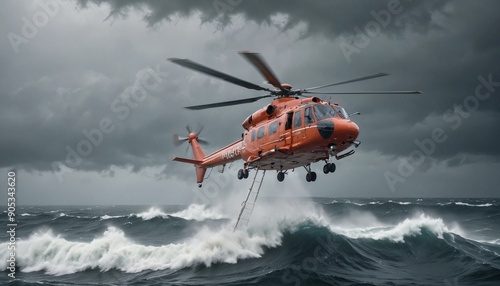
<point x="185" y="160"/>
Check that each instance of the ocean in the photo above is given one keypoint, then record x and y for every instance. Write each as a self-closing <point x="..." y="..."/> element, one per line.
<point x="302" y="241"/>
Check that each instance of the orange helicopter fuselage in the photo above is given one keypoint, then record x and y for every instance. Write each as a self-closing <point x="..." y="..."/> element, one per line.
<point x="289" y="133"/>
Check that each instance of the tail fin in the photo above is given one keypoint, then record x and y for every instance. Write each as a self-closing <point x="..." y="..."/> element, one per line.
<point x="198" y="158"/>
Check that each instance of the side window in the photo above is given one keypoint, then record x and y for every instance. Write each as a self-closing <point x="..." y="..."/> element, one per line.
<point x="273" y="128"/>
<point x="297" y="120"/>
<point x="253" y="135"/>
<point x="308" y="116"/>
<point x="260" y="132"/>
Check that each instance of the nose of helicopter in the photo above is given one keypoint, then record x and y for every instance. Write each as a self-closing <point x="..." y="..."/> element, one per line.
<point x="353" y="130"/>
<point x="343" y="130"/>
<point x="326" y="128"/>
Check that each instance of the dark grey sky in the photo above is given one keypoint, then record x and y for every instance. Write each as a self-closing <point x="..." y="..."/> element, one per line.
<point x="70" y="67"/>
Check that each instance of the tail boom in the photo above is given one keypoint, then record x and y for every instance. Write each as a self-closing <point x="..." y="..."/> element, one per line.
<point x="198" y="158"/>
<point x="201" y="162"/>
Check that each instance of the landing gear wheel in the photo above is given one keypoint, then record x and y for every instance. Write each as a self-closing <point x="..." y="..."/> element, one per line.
<point x="326" y="168"/>
<point x="240" y="174"/>
<point x="245" y="173"/>
<point x="313" y="176"/>
<point x="308" y="177"/>
<point x="281" y="176"/>
<point x="332" y="167"/>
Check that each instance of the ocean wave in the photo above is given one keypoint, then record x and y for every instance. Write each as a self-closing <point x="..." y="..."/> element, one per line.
<point x="408" y="227"/>
<point x="369" y="203"/>
<point x="53" y="254"/>
<point x="471" y="205"/>
<point x="400" y="203"/>
<point x="56" y="255"/>
<point x="444" y="204"/>
<point x="324" y="241"/>
<point x="354" y="203"/>
<point x="61" y="215"/>
<point x="494" y="241"/>
<point x="150" y="214"/>
<point x="348" y="202"/>
<point x="465" y="204"/>
<point x="198" y="212"/>
<point x="192" y="212"/>
<point x="105" y="217"/>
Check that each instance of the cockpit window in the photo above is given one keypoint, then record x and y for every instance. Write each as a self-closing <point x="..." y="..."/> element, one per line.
<point x="323" y="111"/>
<point x="341" y="111"/>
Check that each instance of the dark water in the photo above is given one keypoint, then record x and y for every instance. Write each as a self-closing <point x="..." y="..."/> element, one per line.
<point x="288" y="242"/>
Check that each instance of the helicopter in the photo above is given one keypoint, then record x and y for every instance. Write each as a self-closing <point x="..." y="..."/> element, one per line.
<point x="295" y="130"/>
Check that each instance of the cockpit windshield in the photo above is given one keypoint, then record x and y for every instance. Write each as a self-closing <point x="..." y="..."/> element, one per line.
<point x="341" y="111"/>
<point x="323" y="111"/>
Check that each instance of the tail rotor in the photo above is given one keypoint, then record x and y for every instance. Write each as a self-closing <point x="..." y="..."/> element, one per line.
<point x="179" y="140"/>
<point x="194" y="141"/>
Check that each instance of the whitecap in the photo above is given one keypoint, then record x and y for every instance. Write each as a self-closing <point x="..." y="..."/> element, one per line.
<point x="198" y="212"/>
<point x="55" y="255"/>
<point x="397" y="233"/>
<point x="151" y="213"/>
<point x="471" y="205"/>
<point x="104" y="217"/>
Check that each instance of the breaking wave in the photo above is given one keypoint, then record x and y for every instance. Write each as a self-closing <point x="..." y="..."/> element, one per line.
<point x="339" y="242"/>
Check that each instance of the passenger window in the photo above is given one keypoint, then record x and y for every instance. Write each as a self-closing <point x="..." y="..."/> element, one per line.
<point x="260" y="132"/>
<point x="253" y="135"/>
<point x="308" y="116"/>
<point x="297" y="120"/>
<point x="273" y="128"/>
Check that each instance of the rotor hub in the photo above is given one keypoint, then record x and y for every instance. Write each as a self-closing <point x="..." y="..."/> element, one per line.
<point x="192" y="136"/>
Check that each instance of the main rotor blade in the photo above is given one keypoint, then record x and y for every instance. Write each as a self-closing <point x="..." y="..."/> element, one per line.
<point x="206" y="70"/>
<point x="227" y="103"/>
<point x="200" y="129"/>
<point x="367" y="92"/>
<point x="261" y="65"/>
<point x="348" y="81"/>
<point x="202" y="141"/>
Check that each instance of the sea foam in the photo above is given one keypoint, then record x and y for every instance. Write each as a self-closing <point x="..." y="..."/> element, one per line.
<point x="55" y="255"/>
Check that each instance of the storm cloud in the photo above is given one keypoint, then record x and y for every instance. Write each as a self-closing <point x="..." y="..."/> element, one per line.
<point x="91" y="89"/>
